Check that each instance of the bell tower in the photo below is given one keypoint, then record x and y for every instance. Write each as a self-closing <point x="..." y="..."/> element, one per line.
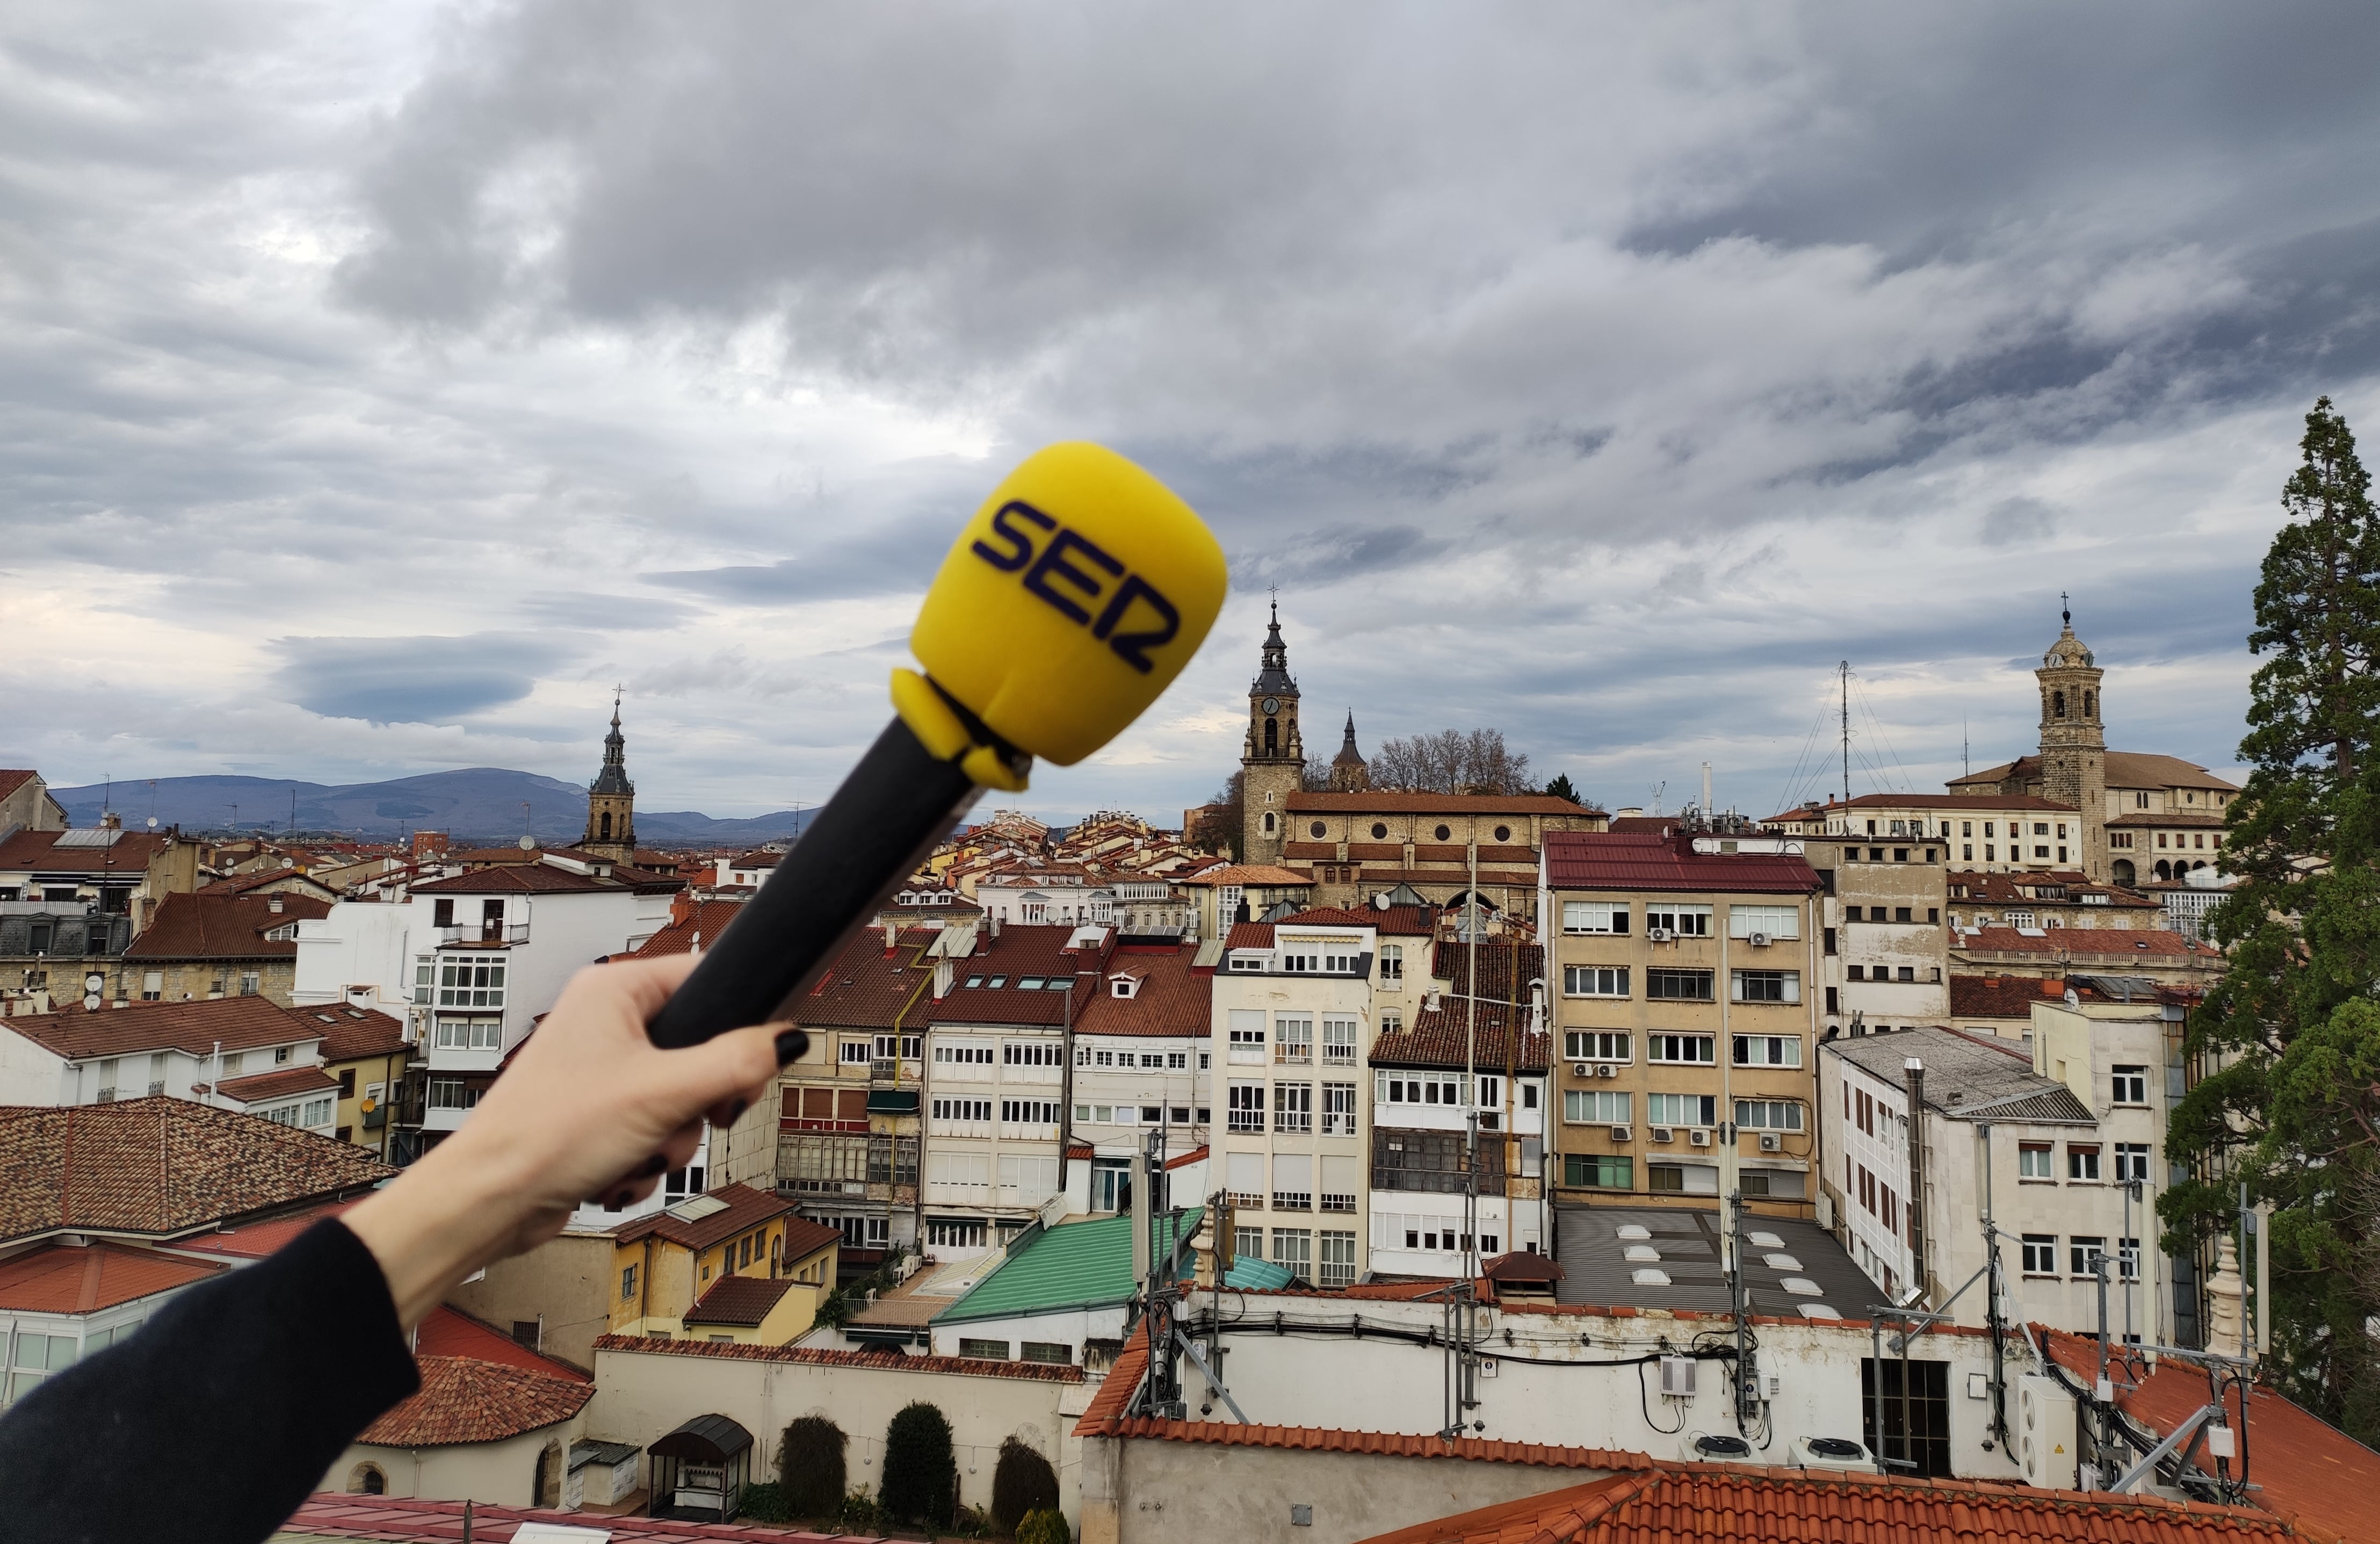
<point x="611" y="800"/>
<point x="1274" y="757"/>
<point x="2074" y="743"/>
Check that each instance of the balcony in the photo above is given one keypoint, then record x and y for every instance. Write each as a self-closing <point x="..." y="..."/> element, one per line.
<point x="483" y="935"/>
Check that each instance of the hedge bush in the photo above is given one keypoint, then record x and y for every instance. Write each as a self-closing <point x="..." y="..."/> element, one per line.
<point x="1047" y="1527"/>
<point x="810" y="1466"/>
<point x="1022" y="1482"/>
<point x="918" y="1469"/>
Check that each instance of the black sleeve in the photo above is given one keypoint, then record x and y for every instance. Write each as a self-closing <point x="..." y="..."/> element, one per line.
<point x="219" y="1417"/>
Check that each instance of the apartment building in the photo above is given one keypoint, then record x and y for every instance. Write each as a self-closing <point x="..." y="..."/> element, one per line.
<point x="1143" y="1063"/>
<point x="1995" y="832"/>
<point x="1882" y="930"/>
<point x="1225" y="893"/>
<point x="997" y="1081"/>
<point x="1297" y="1005"/>
<point x="72" y="901"/>
<point x="1489" y="1053"/>
<point x="207" y="945"/>
<point x="1687" y="1031"/>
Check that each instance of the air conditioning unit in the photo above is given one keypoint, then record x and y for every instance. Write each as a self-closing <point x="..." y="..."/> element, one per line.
<point x="1717" y="1447"/>
<point x="1578" y="1069"/>
<point x="2044" y="1425"/>
<point x="1661" y="1134"/>
<point x="1677" y="1377"/>
<point x="1759" y="941"/>
<point x="1660" y="935"/>
<point x="1620" y="1134"/>
<point x="1605" y="1069"/>
<point x="1830" y="1453"/>
<point x="1699" y="1137"/>
<point x="1771" y="1142"/>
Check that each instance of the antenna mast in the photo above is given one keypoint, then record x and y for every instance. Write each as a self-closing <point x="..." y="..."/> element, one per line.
<point x="1844" y="671"/>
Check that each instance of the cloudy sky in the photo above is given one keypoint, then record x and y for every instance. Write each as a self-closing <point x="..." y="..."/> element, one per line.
<point x="378" y="386"/>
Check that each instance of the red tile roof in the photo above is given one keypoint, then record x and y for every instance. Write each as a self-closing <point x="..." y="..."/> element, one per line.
<point x="275" y="1084"/>
<point x="1020" y="952"/>
<point x="1999" y="996"/>
<point x="81" y="1278"/>
<point x="388" y="1520"/>
<point x="965" y="1366"/>
<point x="38" y="852"/>
<point x="196" y="1026"/>
<point x="1438" y="1037"/>
<point x="2068" y="887"/>
<point x="464" y="1400"/>
<point x="1498" y="978"/>
<point x="1666" y="1501"/>
<point x="448" y="1331"/>
<point x="544" y="879"/>
<point x="240" y="884"/>
<point x="1388" y="803"/>
<point x="868" y="988"/>
<point x="1621" y="860"/>
<point x="352" y="1034"/>
<point x="747" y="1208"/>
<point x="709" y="919"/>
<point x="1388" y="921"/>
<point x="1249" y="935"/>
<point x="256" y="1240"/>
<point x="805" y="1238"/>
<point x="14" y="778"/>
<point x="2149" y="944"/>
<point x="2197" y="820"/>
<point x="1256" y="876"/>
<point x="2307" y="1471"/>
<point x="161" y="1167"/>
<point x="741" y="1301"/>
<point x="1169" y="1000"/>
<point x="2124" y="768"/>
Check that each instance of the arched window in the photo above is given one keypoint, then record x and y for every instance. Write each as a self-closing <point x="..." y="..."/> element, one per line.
<point x="367" y="1480"/>
<point x="2090" y="703"/>
<point x="2164" y="870"/>
<point x="1273" y="736"/>
<point x="1267" y="822"/>
<point x="607" y="825"/>
<point x="2058" y="704"/>
<point x="2122" y="871"/>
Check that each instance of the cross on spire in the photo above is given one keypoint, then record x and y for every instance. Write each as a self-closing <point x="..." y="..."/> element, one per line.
<point x="2065" y="609"/>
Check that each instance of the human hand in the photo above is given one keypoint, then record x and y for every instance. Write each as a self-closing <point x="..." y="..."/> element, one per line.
<point x="589" y="1109"/>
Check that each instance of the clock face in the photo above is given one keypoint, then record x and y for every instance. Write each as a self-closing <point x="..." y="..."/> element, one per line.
<point x="1272" y="704"/>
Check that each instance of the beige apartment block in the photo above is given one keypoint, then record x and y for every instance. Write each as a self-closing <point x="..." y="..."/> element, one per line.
<point x="1687" y="1019"/>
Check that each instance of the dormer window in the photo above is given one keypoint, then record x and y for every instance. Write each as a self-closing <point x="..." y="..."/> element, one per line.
<point x="1123" y="986"/>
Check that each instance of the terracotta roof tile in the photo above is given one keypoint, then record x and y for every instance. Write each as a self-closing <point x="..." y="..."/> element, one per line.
<point x="1170" y="998"/>
<point x="1499" y="977"/>
<point x="14" y="778"/>
<point x="448" y="1331"/>
<point x="965" y="1366"/>
<point x="1249" y="935"/>
<point x="389" y="1520"/>
<point x="1621" y="860"/>
<point x="1437" y="1037"/>
<point x="871" y="988"/>
<point x="76" y="1278"/>
<point x="709" y="919"/>
<point x="275" y="1084"/>
<point x="38" y="852"/>
<point x="238" y="1023"/>
<point x="256" y="1240"/>
<point x="1388" y="803"/>
<point x="355" y="1033"/>
<point x="1388" y="921"/>
<point x="464" y="1400"/>
<point x="743" y="1301"/>
<point x="1249" y="875"/>
<point x="747" y="1208"/>
<point x="2149" y="944"/>
<point x="1020" y="952"/>
<point x="161" y="1167"/>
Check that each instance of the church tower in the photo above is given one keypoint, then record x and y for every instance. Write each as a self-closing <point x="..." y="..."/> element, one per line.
<point x="611" y="800"/>
<point x="1274" y="760"/>
<point x="1348" y="773"/>
<point x="2074" y="743"/>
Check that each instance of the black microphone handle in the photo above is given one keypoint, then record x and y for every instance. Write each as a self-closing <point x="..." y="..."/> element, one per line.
<point x="887" y="816"/>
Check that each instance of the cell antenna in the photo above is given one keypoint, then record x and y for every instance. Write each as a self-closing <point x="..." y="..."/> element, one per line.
<point x="1844" y="670"/>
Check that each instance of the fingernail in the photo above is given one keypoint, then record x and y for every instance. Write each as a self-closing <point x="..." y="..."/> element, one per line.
<point x="736" y="1110"/>
<point x="791" y="1043"/>
<point x="654" y="1165"/>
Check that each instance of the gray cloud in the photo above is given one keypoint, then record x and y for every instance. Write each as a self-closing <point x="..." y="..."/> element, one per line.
<point x="411" y="680"/>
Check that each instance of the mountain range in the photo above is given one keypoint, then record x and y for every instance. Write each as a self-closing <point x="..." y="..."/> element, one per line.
<point x="476" y="803"/>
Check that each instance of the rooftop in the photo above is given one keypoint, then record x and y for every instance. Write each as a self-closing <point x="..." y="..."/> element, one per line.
<point x="2124" y="768"/>
<point x="1388" y="802"/>
<point x="1249" y="876"/>
<point x="1168" y="997"/>
<point x="741" y="1301"/>
<point x="1086" y="1264"/>
<point x="196" y="1026"/>
<point x="1628" y="860"/>
<point x="693" y="1224"/>
<point x="1444" y="1034"/>
<point x="85" y="851"/>
<point x="1685" y="1244"/>
<point x="888" y="1361"/>
<point x="388" y="1520"/>
<point x="709" y="919"/>
<point x="448" y="1331"/>
<point x="279" y="1084"/>
<point x="870" y="987"/>
<point x="2157" y="945"/>
<point x="1400" y="921"/>
<point x="1968" y="1077"/>
<point x="161" y="1167"/>
<point x="547" y="878"/>
<point x="463" y="1399"/>
<point x="81" y="1278"/>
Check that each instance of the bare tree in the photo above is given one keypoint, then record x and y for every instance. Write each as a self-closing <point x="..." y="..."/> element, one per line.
<point x="1452" y="761"/>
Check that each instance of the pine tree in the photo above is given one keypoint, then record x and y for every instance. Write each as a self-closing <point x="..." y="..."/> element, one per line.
<point x="1562" y="788"/>
<point x="919" y="1472"/>
<point x="2290" y="1032"/>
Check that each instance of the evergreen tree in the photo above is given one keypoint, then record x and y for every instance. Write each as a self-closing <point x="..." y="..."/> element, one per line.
<point x="1022" y="1483"/>
<point x="811" y="1469"/>
<point x="2290" y="1036"/>
<point x="920" y="1474"/>
<point x="1562" y="788"/>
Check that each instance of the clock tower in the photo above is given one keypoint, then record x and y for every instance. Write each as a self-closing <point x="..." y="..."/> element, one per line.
<point x="2074" y="743"/>
<point x="1274" y="760"/>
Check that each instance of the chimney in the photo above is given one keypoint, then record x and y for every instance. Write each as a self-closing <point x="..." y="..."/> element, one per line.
<point x="1913" y="1071"/>
<point x="273" y="903"/>
<point x="892" y="937"/>
<point x="680" y="909"/>
<point x="995" y="924"/>
<point x="942" y="974"/>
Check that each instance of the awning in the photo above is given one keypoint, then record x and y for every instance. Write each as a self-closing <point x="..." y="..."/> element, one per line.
<point x="892" y="1101"/>
<point x="704" y="1439"/>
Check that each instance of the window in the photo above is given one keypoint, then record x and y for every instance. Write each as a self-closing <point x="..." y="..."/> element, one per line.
<point x="2131" y="1085"/>
<point x="1698" y="1110"/>
<point x="1032" y="1053"/>
<point x="954" y="1233"/>
<point x="1768" y="1114"/>
<point x="1028" y="1112"/>
<point x="1293" y="1107"/>
<point x="1774" y="921"/>
<point x="1684" y="920"/>
<point x="425" y="972"/>
<point x="1338" y="1109"/>
<point x="628" y="1284"/>
<point x="1338" y="1263"/>
<point x="1905" y="1413"/>
<point x="1598" y="1170"/>
<point x="1245" y="1106"/>
<point x="1248" y="1243"/>
<point x="970" y="1110"/>
<point x="2032" y="1160"/>
<point x="1247" y="1035"/>
<point x="466" y="984"/>
<point x="1595" y="1107"/>
<point x="1595" y="916"/>
<point x="2082" y="1162"/>
<point x="1028" y="1181"/>
<point x="2082" y="1255"/>
<point x="1767" y="1051"/>
<point x="1678" y="986"/>
<point x="1594" y="1045"/>
<point x="452" y="1093"/>
<point x="1693" y="1049"/>
<point x="476" y="1033"/>
<point x="1595" y="980"/>
<point x="1177" y="1061"/>
<point x="856" y="1049"/>
<point x="2131" y="1161"/>
<point x="318" y="1111"/>
<point x="2040" y="1251"/>
<point x="1293" y="1038"/>
<point x="1294" y="1249"/>
<point x="1766" y="986"/>
<point x="1292" y="1182"/>
<point x="1414" y="1088"/>
<point x="2128" y="1258"/>
<point x="1392" y="962"/>
<point x="1339" y="1043"/>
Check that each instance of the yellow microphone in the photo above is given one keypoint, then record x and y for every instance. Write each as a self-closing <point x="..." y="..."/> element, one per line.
<point x="1072" y="599"/>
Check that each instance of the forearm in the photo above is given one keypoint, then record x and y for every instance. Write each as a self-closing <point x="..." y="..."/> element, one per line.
<point x="450" y="1214"/>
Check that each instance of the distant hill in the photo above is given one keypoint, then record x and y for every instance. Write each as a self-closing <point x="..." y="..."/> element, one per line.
<point x="477" y="802"/>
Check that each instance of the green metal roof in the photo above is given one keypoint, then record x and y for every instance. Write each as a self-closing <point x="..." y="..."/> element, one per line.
<point x="1073" y="1265"/>
<point x="1257" y="1275"/>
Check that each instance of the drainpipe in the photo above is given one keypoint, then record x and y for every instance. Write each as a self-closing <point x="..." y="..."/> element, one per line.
<point x="1913" y="1071"/>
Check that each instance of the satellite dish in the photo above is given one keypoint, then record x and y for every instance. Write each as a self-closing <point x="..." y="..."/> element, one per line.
<point x="152" y="823"/>
<point x="527" y="842"/>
